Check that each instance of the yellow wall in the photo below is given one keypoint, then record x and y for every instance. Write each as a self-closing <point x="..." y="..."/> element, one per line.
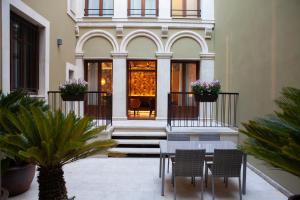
<point x="61" y="26"/>
<point x="257" y="47"/>
<point x="97" y="47"/>
<point x="142" y="47"/>
<point x="186" y="48"/>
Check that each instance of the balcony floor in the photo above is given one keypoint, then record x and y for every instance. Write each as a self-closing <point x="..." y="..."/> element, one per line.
<point x="137" y="179"/>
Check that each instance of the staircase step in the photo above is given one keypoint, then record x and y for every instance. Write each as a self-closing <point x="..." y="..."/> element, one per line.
<point x="137" y="152"/>
<point x="138" y="143"/>
<point x="139" y="135"/>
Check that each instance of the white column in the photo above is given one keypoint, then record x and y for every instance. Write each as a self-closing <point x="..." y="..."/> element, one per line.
<point x="5" y="12"/>
<point x="164" y="9"/>
<point x="207" y="67"/>
<point x="207" y="9"/>
<point x="79" y="74"/>
<point x="119" y="86"/>
<point x="163" y="84"/>
<point x="120" y="9"/>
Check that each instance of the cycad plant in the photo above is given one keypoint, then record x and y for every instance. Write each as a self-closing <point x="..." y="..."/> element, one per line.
<point x="276" y="138"/>
<point x="50" y="140"/>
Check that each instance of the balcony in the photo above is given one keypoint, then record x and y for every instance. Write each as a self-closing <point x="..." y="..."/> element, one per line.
<point x="184" y="111"/>
<point x="175" y="13"/>
<point x="97" y="105"/>
<point x="142" y="12"/>
<point x="99" y="12"/>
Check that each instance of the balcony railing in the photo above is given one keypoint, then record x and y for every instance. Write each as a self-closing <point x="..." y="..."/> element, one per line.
<point x="142" y="12"/>
<point x="97" y="105"/>
<point x="185" y="13"/>
<point x="99" y="12"/>
<point x="184" y="111"/>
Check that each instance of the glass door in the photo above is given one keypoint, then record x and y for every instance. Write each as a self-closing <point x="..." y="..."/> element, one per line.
<point x="141" y="101"/>
<point x="98" y="74"/>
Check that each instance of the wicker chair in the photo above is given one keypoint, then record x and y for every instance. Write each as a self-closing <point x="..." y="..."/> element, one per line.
<point x="188" y="163"/>
<point x="176" y="137"/>
<point x="226" y="163"/>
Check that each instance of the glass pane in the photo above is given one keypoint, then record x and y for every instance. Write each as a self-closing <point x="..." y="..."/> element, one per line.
<point x="150" y="8"/>
<point x="136" y="8"/>
<point x="177" y="8"/>
<point x="92" y="73"/>
<point x="108" y="6"/>
<point x="191" y="75"/>
<point x="106" y="77"/>
<point x="93" y="8"/>
<point x="192" y="8"/>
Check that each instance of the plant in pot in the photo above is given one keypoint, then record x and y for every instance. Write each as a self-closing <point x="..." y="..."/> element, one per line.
<point x="73" y="90"/>
<point x="16" y="174"/>
<point x="276" y="138"/>
<point x="206" y="91"/>
<point x="50" y="140"/>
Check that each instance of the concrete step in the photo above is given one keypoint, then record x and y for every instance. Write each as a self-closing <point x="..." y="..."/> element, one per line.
<point x="139" y="135"/>
<point x="137" y="152"/>
<point x="141" y="142"/>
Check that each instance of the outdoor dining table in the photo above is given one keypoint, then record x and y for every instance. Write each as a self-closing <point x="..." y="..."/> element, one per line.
<point x="168" y="148"/>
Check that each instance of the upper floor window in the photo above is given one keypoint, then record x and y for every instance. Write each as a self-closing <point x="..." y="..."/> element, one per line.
<point x="143" y="8"/>
<point x="99" y="8"/>
<point x="186" y="8"/>
<point x="24" y="62"/>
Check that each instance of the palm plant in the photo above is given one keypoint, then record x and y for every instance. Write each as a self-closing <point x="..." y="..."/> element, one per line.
<point x="276" y="138"/>
<point x="50" y="140"/>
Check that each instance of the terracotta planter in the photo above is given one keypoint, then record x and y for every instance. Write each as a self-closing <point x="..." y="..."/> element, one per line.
<point x="79" y="97"/>
<point x="294" y="197"/>
<point x="206" y="97"/>
<point x="17" y="180"/>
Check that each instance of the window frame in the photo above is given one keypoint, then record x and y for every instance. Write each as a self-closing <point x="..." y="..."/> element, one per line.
<point x="24" y="43"/>
<point x="143" y="9"/>
<point x="184" y="10"/>
<point x="86" y="10"/>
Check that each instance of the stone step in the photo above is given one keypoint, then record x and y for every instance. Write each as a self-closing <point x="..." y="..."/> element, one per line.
<point x="138" y="143"/>
<point x="139" y="135"/>
<point x="137" y="152"/>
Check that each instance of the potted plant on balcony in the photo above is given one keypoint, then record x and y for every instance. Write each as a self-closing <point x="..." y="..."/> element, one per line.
<point x="50" y="140"/>
<point x="276" y="138"/>
<point x="73" y="90"/>
<point x="16" y="174"/>
<point x="206" y="91"/>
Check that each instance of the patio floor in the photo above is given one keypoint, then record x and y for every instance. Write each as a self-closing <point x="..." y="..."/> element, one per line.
<point x="137" y="179"/>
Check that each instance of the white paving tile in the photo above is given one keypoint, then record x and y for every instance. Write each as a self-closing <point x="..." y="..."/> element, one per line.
<point x="137" y="179"/>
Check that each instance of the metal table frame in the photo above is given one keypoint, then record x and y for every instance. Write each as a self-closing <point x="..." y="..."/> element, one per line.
<point x="170" y="146"/>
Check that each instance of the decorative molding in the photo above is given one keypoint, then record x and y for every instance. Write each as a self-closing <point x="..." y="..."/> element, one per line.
<point x="207" y="56"/>
<point x="96" y="33"/>
<point x="164" y="55"/>
<point x="164" y="31"/>
<point x="208" y="33"/>
<point x="79" y="55"/>
<point x="119" y="54"/>
<point x="186" y="34"/>
<point x="77" y="31"/>
<point x="142" y="33"/>
<point x="119" y="30"/>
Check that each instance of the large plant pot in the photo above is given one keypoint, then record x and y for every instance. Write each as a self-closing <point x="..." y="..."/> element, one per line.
<point x="206" y="97"/>
<point x="17" y="180"/>
<point x="79" y="97"/>
<point x="294" y="197"/>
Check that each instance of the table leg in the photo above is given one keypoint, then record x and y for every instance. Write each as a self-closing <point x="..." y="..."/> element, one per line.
<point x="244" y="173"/>
<point x="163" y="177"/>
<point x="160" y="157"/>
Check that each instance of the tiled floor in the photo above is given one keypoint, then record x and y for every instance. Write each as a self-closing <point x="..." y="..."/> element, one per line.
<point x="137" y="179"/>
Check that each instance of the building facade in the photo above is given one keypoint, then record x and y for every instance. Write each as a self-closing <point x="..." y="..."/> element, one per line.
<point x="138" y="50"/>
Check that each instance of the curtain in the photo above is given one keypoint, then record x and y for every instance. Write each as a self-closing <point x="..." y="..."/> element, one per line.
<point x="192" y="7"/>
<point x="108" y="6"/>
<point x="93" y="4"/>
<point x="151" y="5"/>
<point x="136" y="4"/>
<point x="177" y="7"/>
<point x="92" y="82"/>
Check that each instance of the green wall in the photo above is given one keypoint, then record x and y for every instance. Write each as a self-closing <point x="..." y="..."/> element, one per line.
<point x="257" y="44"/>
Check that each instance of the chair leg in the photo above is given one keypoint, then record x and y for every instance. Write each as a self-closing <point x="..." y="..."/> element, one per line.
<point x="168" y="164"/>
<point x="226" y="182"/>
<point x="213" y="186"/>
<point x="172" y="176"/>
<point x="174" y="188"/>
<point x="206" y="175"/>
<point x="202" y="183"/>
<point x="240" y="188"/>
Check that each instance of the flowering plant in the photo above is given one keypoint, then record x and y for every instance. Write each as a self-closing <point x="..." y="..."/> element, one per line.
<point x="73" y="87"/>
<point x="206" y="87"/>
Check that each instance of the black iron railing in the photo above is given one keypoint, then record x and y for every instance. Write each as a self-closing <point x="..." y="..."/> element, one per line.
<point x="143" y="12"/>
<point x="97" y="105"/>
<point x="99" y="12"/>
<point x="185" y="111"/>
<point x="185" y="13"/>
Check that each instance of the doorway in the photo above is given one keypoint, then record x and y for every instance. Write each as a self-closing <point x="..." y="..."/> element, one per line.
<point x="98" y="74"/>
<point x="141" y="89"/>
